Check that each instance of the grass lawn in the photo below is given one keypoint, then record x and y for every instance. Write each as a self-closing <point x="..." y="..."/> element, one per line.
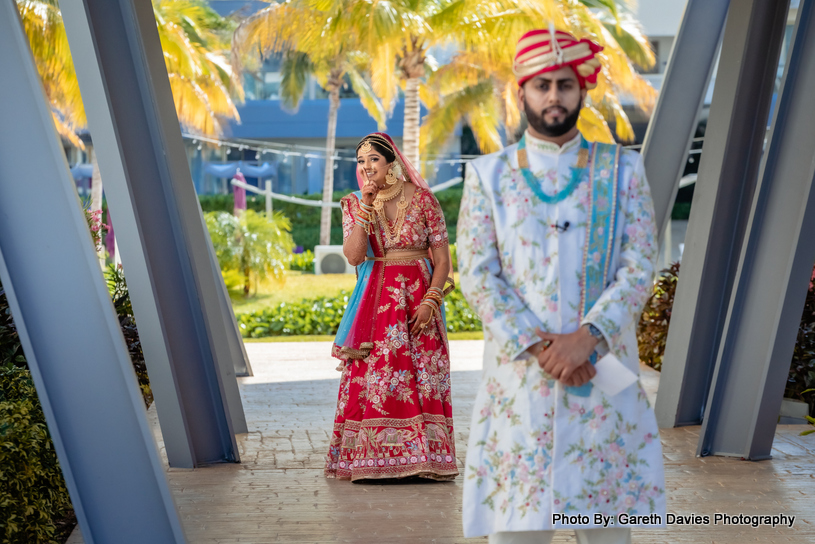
<point x="297" y="286"/>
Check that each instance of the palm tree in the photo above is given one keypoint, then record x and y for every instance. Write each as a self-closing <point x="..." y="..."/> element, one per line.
<point x="397" y="37"/>
<point x="192" y="37"/>
<point x="312" y="42"/>
<point x="478" y="86"/>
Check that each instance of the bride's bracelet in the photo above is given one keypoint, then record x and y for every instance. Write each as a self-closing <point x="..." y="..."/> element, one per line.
<point x="435" y="294"/>
<point x="432" y="304"/>
<point x="368" y="208"/>
<point x="435" y="291"/>
<point x="364" y="223"/>
<point x="433" y="298"/>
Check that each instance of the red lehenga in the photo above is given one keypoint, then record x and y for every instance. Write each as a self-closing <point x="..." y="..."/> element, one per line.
<point x="394" y="413"/>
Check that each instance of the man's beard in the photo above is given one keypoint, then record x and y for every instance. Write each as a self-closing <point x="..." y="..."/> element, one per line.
<point x="553" y="130"/>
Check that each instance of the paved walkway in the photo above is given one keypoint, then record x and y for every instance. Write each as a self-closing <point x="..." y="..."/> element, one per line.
<point x="278" y="492"/>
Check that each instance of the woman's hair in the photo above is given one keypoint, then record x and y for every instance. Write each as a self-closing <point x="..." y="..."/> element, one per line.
<point x="381" y="147"/>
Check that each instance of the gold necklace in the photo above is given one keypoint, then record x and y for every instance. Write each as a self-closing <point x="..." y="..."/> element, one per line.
<point x="392" y="232"/>
<point x="391" y="191"/>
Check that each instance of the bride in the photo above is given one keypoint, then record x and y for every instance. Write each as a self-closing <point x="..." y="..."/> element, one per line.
<point x="394" y="414"/>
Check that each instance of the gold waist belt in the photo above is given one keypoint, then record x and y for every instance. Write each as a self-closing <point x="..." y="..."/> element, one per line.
<point x="401" y="256"/>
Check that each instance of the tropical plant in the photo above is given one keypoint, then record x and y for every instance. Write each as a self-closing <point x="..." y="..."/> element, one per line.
<point x="34" y="502"/>
<point x="193" y="37"/>
<point x="117" y="286"/>
<point x="251" y="245"/>
<point x="478" y="87"/>
<point x="652" y="330"/>
<point x="317" y="42"/>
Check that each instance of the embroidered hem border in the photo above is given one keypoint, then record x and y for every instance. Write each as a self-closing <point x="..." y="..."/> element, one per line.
<point x="430" y="470"/>
<point x="425" y="465"/>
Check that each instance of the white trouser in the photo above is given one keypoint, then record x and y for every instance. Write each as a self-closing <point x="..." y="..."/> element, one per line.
<point x="584" y="536"/>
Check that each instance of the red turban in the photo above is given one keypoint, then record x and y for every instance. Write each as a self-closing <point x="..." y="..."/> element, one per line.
<point x="537" y="53"/>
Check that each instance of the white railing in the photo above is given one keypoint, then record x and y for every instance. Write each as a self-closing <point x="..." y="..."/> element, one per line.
<point x="267" y="192"/>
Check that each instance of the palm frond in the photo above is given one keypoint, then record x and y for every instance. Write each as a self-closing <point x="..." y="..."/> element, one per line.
<point x="632" y="40"/>
<point x="367" y="96"/>
<point x="593" y="126"/>
<point x="384" y="80"/>
<point x="295" y="71"/>
<point x="440" y="122"/>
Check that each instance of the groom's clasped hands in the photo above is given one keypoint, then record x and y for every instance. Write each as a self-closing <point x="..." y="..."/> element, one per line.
<point x="565" y="357"/>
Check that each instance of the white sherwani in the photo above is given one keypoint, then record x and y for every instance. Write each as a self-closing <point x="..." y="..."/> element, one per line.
<point x="536" y="448"/>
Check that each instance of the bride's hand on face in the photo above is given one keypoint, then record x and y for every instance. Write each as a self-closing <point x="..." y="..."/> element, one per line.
<point x="369" y="190"/>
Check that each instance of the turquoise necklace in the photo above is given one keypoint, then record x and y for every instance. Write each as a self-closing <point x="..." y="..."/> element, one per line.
<point x="534" y="183"/>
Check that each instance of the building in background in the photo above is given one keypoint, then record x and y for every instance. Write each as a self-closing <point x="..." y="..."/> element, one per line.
<point x="264" y="121"/>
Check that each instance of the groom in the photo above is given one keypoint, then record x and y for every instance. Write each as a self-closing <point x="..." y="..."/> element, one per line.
<point x="557" y="247"/>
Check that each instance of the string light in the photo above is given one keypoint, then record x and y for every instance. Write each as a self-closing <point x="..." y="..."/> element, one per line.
<point x="261" y="149"/>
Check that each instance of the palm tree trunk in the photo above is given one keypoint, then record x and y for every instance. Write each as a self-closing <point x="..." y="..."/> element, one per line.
<point x="410" y="131"/>
<point x="96" y="201"/>
<point x="334" y="82"/>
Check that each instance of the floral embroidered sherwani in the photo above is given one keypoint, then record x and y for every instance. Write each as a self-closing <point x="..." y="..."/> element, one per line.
<point x="535" y="447"/>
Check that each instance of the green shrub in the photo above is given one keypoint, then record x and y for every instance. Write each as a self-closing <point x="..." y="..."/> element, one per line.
<point x="460" y="316"/>
<point x="124" y="311"/>
<point x="33" y="495"/>
<point x="319" y="315"/>
<point x="11" y="351"/>
<point x="322" y="315"/>
<point x="681" y="211"/>
<point x="302" y="261"/>
<point x="652" y="331"/>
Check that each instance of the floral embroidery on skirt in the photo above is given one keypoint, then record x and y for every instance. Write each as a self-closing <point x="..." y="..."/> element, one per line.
<point x="394" y="413"/>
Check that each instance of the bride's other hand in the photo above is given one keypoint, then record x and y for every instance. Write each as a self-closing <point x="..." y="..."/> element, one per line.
<point x="369" y="190"/>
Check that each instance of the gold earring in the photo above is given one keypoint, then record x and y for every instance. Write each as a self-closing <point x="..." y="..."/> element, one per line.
<point x="390" y="177"/>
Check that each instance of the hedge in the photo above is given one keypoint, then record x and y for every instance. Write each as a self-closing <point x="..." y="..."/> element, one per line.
<point x="305" y="220"/>
<point x="322" y="315"/>
<point x="33" y="496"/>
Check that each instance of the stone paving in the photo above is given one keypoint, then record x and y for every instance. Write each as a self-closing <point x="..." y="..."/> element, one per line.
<point x="278" y="493"/>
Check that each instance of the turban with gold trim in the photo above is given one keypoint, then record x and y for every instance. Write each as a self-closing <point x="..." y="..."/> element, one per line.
<point x="537" y="53"/>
